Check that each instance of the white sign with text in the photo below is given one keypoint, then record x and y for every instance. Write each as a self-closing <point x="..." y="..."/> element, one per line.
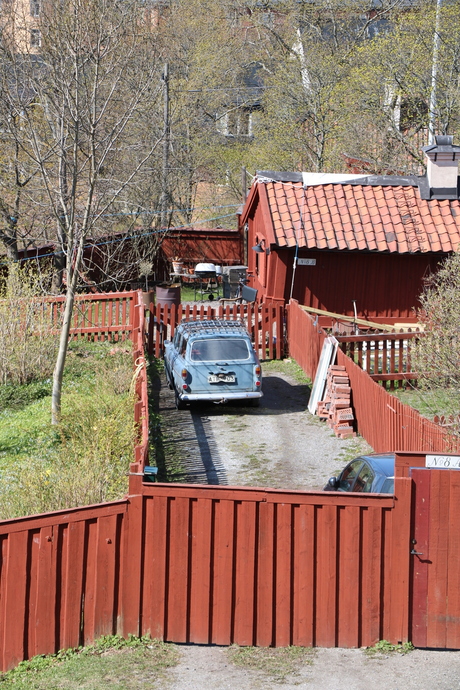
<point x="443" y="461"/>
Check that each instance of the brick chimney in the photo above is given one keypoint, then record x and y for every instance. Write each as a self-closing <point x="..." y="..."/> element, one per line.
<point x="442" y="168"/>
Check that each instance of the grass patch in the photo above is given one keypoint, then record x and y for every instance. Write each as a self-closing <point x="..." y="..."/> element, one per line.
<point x="86" y="458"/>
<point x="384" y="647"/>
<point x="276" y="663"/>
<point x="428" y="402"/>
<point x="289" y="367"/>
<point x="165" y="451"/>
<point x="112" y="661"/>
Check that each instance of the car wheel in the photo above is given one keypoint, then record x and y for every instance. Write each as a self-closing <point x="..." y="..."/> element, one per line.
<point x="180" y="404"/>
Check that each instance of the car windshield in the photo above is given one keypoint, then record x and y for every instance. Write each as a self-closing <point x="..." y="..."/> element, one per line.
<point x="219" y="349"/>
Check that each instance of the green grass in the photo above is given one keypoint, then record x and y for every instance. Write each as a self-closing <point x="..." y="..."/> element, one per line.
<point x="111" y="662"/>
<point x="86" y="458"/>
<point x="429" y="403"/>
<point x="288" y="367"/>
<point x="383" y="647"/>
<point x="276" y="663"/>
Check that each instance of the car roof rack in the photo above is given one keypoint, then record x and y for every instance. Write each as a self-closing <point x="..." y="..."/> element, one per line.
<point x="209" y="325"/>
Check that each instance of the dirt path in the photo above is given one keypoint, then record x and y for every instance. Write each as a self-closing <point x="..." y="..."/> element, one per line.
<point x="280" y="444"/>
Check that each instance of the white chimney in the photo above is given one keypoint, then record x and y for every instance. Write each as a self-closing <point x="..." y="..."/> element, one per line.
<point x="442" y="167"/>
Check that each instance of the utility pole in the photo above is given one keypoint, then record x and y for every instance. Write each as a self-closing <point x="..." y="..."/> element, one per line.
<point x="166" y="142"/>
<point x="434" y="74"/>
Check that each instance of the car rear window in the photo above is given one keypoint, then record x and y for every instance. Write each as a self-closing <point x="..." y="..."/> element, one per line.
<point x="219" y="349"/>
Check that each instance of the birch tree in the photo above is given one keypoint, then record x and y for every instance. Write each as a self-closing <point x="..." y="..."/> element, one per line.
<point x="87" y="123"/>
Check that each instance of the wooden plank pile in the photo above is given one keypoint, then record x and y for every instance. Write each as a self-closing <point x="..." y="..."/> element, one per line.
<point x="336" y="406"/>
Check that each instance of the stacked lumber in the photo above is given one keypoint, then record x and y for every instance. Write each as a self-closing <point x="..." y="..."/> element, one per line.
<point x="336" y="406"/>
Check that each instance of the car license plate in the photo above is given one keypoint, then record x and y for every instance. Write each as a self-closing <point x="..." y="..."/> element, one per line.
<point x="221" y="378"/>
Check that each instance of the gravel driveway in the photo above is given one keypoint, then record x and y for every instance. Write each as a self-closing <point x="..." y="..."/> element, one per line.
<point x="281" y="445"/>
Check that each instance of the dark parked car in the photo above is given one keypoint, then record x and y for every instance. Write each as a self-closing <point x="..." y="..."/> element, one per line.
<point x="366" y="474"/>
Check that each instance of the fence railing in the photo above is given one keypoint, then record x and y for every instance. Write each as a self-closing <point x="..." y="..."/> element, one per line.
<point x="385" y="422"/>
<point x="381" y="418"/>
<point x="97" y="316"/>
<point x="264" y="322"/>
<point x="386" y="357"/>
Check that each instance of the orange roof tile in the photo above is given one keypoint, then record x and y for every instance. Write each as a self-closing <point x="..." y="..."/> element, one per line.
<point x="362" y="217"/>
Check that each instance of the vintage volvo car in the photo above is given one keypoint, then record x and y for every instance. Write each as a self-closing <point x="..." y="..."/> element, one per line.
<point x="212" y="360"/>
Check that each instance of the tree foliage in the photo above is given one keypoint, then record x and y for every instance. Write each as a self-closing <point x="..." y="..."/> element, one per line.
<point x="436" y="356"/>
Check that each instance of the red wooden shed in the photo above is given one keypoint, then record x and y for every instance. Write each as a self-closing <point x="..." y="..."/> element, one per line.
<point x="332" y="240"/>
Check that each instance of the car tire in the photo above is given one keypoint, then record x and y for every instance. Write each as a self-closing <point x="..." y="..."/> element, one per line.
<point x="180" y="404"/>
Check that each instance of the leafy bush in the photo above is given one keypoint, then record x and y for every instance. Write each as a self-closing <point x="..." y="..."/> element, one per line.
<point x="27" y="347"/>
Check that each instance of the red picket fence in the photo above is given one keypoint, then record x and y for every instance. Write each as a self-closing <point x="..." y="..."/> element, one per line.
<point x="97" y="316"/>
<point x="385" y="422"/>
<point x="386" y="357"/>
<point x="265" y="323"/>
<point x="381" y="418"/>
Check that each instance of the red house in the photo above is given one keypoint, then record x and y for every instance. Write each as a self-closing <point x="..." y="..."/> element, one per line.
<point x="331" y="241"/>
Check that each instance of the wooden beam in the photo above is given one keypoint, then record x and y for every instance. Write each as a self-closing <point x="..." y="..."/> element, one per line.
<point x="342" y="317"/>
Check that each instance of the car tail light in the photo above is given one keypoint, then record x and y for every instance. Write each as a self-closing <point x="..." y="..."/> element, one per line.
<point x="258" y="384"/>
<point x="184" y="373"/>
<point x="257" y="370"/>
<point x="184" y="386"/>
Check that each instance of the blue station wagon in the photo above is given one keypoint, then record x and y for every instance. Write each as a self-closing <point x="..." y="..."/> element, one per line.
<point x="214" y="361"/>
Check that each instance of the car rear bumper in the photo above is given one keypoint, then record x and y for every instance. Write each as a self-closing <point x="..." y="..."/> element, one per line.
<point x="220" y="397"/>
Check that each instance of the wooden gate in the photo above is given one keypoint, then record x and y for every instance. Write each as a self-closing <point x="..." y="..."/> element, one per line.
<point x="435" y="554"/>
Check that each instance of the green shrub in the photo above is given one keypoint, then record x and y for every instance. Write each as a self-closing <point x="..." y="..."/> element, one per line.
<point x="27" y="347"/>
<point x="86" y="458"/>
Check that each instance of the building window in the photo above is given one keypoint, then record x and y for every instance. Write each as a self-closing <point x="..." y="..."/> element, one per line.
<point x="35" y="38"/>
<point x="236" y="123"/>
<point x="34" y="8"/>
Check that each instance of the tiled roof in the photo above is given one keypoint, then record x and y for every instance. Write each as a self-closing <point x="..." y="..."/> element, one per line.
<point x="385" y="218"/>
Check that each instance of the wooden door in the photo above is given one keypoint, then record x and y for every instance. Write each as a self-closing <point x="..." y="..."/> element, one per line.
<point x="435" y="548"/>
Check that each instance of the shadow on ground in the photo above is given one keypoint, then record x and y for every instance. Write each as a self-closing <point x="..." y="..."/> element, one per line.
<point x="182" y="442"/>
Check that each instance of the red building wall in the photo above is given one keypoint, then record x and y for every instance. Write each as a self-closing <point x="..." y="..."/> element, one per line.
<point x="383" y="285"/>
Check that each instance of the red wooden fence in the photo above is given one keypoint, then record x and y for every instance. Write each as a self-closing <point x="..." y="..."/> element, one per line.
<point x="384" y="422"/>
<point x="386" y="357"/>
<point x="98" y="316"/>
<point x="265" y="322"/>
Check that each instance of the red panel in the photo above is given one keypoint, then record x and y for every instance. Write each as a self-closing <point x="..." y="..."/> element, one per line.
<point x="200" y="579"/>
<point x="371" y="575"/>
<point x="156" y="539"/>
<point x="14" y="592"/>
<point x="107" y="566"/>
<point x="438" y="554"/>
<point x="349" y="573"/>
<point x="132" y="567"/>
<point x="178" y="575"/>
<point x="72" y="583"/>
<point x="223" y="569"/>
<point x="45" y="607"/>
<point x="421" y="536"/>
<point x="283" y="591"/>
<point x="453" y="556"/>
<point x="326" y="577"/>
<point x="243" y="628"/>
<point x="265" y="570"/>
<point x="303" y="575"/>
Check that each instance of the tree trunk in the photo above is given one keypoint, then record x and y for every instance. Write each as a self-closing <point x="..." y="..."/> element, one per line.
<point x="60" y="360"/>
